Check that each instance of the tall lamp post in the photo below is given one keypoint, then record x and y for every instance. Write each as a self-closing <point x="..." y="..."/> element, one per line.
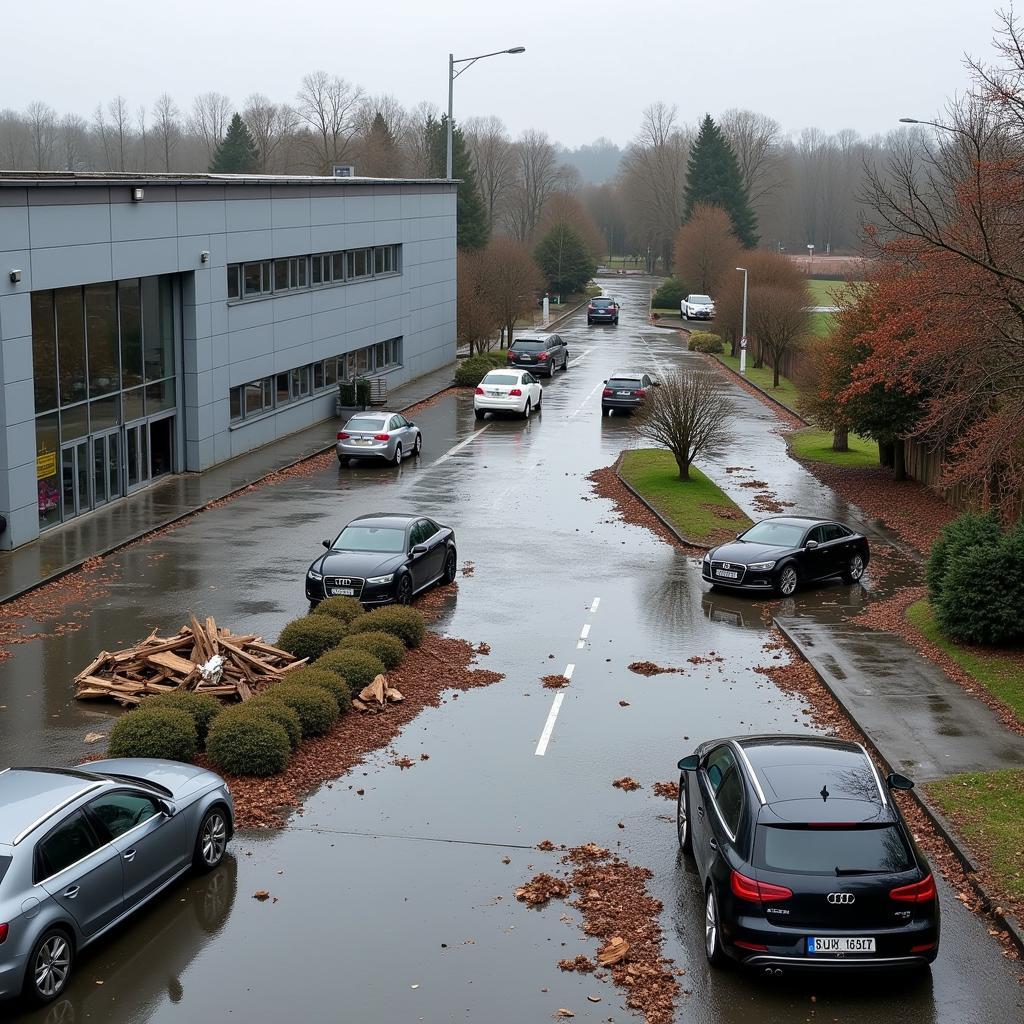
<point x="452" y="75"/>
<point x="810" y="259"/>
<point x="743" y="335"/>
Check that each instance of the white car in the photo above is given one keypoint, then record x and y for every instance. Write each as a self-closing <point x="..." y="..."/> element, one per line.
<point x="697" y="307"/>
<point x="508" y="391"/>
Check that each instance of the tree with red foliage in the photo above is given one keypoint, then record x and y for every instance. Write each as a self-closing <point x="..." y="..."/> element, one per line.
<point x="706" y="249"/>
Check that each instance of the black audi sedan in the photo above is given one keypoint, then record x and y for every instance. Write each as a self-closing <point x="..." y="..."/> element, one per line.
<point x="780" y="553"/>
<point x="805" y="861"/>
<point x="383" y="558"/>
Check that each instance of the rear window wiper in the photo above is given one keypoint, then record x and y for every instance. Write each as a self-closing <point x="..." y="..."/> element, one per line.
<point x="862" y="871"/>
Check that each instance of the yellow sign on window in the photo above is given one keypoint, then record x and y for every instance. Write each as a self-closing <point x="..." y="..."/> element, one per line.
<point x="46" y="465"/>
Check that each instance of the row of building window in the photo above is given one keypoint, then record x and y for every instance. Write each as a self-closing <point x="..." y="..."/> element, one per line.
<point x="270" y="277"/>
<point x="269" y="393"/>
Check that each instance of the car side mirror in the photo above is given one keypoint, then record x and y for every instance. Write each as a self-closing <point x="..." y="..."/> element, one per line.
<point x="811" y="545"/>
<point x="689" y="764"/>
<point x="418" y="549"/>
<point x="897" y="781"/>
<point x="326" y="544"/>
<point x="606" y="382"/>
<point x="168" y="808"/>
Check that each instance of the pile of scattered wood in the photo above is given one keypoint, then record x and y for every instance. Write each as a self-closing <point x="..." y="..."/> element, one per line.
<point x="377" y="695"/>
<point x="205" y="658"/>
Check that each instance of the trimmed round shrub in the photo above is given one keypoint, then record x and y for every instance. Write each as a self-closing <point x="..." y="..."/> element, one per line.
<point x="357" y="668"/>
<point x="324" y="679"/>
<point x="311" y="635"/>
<point x="245" y="741"/>
<point x="966" y="531"/>
<point x="285" y="716"/>
<point x="471" y="371"/>
<point x="706" y="341"/>
<point x="405" y="623"/>
<point x="385" y="646"/>
<point x="669" y="295"/>
<point x="317" y="709"/>
<point x="202" y="707"/>
<point x="344" y="609"/>
<point x="155" y="732"/>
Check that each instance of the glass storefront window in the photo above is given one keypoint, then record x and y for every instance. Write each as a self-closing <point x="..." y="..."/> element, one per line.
<point x="71" y="345"/>
<point x="331" y="374"/>
<point x="105" y="412"/>
<point x="129" y="301"/>
<point x="101" y="338"/>
<point x="253" y="398"/>
<point x="362" y="361"/>
<point x="157" y="327"/>
<point x="74" y="422"/>
<point x="282" y="388"/>
<point x="47" y="475"/>
<point x="134" y="407"/>
<point x="160" y="396"/>
<point x="44" y="351"/>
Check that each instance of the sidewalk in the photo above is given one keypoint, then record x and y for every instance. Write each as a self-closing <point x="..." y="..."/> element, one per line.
<point x="64" y="548"/>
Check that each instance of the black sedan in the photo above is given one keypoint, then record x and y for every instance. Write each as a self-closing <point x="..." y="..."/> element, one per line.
<point x="383" y="558"/>
<point x="780" y="553"/>
<point x="804" y="859"/>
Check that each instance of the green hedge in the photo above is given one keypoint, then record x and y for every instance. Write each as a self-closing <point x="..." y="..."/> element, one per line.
<point x="344" y="609"/>
<point x="246" y="741"/>
<point x="385" y="646"/>
<point x="357" y="668"/>
<point x="706" y="341"/>
<point x="966" y="531"/>
<point x="405" y="623"/>
<point x="471" y="371"/>
<point x="285" y="716"/>
<point x="155" y="732"/>
<point x="203" y="708"/>
<point x="324" y="679"/>
<point x="317" y="709"/>
<point x="354" y="393"/>
<point x="311" y="635"/>
<point x="669" y="295"/>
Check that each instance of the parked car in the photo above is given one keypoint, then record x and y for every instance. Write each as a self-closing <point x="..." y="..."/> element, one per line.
<point x="780" y="553"/>
<point x="804" y="859"/>
<point x="625" y="390"/>
<point x="383" y="558"/>
<point x="543" y="353"/>
<point x="515" y="391"/>
<point x="379" y="435"/>
<point x="82" y="848"/>
<point x="697" y="307"/>
<point x="603" y="309"/>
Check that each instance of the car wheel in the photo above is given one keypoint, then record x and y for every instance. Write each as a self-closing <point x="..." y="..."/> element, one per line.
<point x="211" y="840"/>
<point x="449" y="566"/>
<point x="417" y="447"/>
<point x="683" y="818"/>
<point x="403" y="595"/>
<point x="397" y="460"/>
<point x="786" y="582"/>
<point x="712" y="930"/>
<point x="551" y="371"/>
<point x="854" y="570"/>
<point x="616" y="321"/>
<point x="527" y="409"/>
<point x="478" y="413"/>
<point x="49" y="966"/>
<point x="565" y="365"/>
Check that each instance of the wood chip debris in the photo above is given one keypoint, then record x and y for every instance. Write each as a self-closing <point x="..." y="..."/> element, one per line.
<point x="203" y="657"/>
<point x="378" y="693"/>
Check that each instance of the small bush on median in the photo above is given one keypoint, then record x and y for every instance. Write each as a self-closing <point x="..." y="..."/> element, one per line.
<point x="472" y="370"/>
<point x="202" y="708"/>
<point x="385" y="646"/>
<point x="311" y="635"/>
<point x="344" y="609"/>
<point x="405" y="623"/>
<point x="669" y="295"/>
<point x="280" y="713"/>
<point x="155" y="732"/>
<point x="324" y="679"/>
<point x="357" y="668"/>
<point x="964" y="532"/>
<point x="316" y="708"/>
<point x="706" y="341"/>
<point x="245" y="741"/>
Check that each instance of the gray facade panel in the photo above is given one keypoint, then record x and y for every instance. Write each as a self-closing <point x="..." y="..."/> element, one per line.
<point x="13" y="227"/>
<point x="131" y="221"/>
<point x="68" y="225"/>
<point x="73" y="264"/>
<point x="147" y="257"/>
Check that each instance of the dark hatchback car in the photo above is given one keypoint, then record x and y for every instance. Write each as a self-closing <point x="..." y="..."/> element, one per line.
<point x="780" y="553"/>
<point x="603" y="310"/>
<point x="383" y="559"/>
<point x="541" y="354"/>
<point x="625" y="391"/>
<point x="805" y="861"/>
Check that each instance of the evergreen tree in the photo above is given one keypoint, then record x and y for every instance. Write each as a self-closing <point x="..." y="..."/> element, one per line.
<point x="473" y="229"/>
<point x="379" y="156"/>
<point x="564" y="260"/>
<point x="237" y="152"/>
<point x="713" y="176"/>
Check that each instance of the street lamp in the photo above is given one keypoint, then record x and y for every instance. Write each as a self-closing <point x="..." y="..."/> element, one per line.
<point x="452" y="75"/>
<point x="810" y="259"/>
<point x="743" y="335"/>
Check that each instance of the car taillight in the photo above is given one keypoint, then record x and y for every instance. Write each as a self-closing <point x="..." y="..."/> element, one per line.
<point x="342" y="436"/>
<point x="382" y="437"/>
<point x="479" y="391"/>
<point x="640" y="393"/>
<point x="3" y="932"/>
<point x="511" y="354"/>
<point x="590" y="308"/>
<point x="758" y="892"/>
<point x="924" y="947"/>
<point x="917" y="892"/>
<point x="543" y="355"/>
<point x="517" y="392"/>
<point x="607" y="392"/>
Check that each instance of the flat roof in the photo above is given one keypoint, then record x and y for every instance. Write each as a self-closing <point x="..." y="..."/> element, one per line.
<point x="23" y="179"/>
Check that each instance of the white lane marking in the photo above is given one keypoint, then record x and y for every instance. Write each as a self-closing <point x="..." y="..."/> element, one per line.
<point x="584" y="633"/>
<point x="569" y="669"/>
<point x="656" y="360"/>
<point x="462" y="444"/>
<point x="579" y="359"/>
<point x="586" y="400"/>
<point x="549" y="725"/>
<point x="593" y="606"/>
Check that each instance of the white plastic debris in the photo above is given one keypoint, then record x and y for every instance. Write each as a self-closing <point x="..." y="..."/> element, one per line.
<point x="213" y="669"/>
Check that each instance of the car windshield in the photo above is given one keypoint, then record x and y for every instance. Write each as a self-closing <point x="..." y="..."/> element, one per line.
<point x="831" y="851"/>
<point x="366" y="423"/>
<point x="783" y="535"/>
<point x="604" y="302"/>
<point x="527" y="346"/>
<point x="370" y="538"/>
<point x="703" y="299"/>
<point x="500" y="378"/>
<point x="624" y="382"/>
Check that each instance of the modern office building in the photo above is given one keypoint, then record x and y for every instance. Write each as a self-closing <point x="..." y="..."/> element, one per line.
<point x="162" y="323"/>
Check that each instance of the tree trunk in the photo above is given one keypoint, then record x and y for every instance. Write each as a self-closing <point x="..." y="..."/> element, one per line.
<point x="841" y="439"/>
<point x="775" y="372"/>
<point x="886" y="453"/>
<point x="684" y="469"/>
<point x="899" y="465"/>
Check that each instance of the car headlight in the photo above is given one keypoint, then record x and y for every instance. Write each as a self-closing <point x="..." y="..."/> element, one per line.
<point x="381" y="579"/>
<point x="314" y="576"/>
<point x="761" y="565"/>
<point x="707" y="557"/>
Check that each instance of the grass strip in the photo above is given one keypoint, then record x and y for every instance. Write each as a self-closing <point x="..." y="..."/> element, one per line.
<point x="816" y="446"/>
<point x="786" y="392"/>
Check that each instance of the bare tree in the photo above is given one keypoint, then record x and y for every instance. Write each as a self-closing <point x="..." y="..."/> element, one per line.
<point x="73" y="143"/>
<point x="101" y="130"/>
<point x="211" y="112"/>
<point x="512" y="281"/>
<point x="689" y="414"/>
<point x="140" y="120"/>
<point x="476" y="318"/>
<point x="42" y="126"/>
<point x="755" y="141"/>
<point x="121" y="129"/>
<point x="270" y="124"/>
<point x="418" y="158"/>
<point x="328" y="105"/>
<point x="777" y="317"/>
<point x="706" y="249"/>
<point x="167" y="125"/>
<point x="538" y="174"/>
<point x="494" y="160"/>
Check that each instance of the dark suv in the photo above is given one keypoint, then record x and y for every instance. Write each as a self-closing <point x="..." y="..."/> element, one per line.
<point x="625" y="391"/>
<point x="804" y="859"/>
<point x="603" y="310"/>
<point x="541" y="354"/>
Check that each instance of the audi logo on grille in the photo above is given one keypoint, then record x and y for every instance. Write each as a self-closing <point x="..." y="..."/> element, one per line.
<point x="840" y="897"/>
<point x="343" y="582"/>
<point x="727" y="565"/>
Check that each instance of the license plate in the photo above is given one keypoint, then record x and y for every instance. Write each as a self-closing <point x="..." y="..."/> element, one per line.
<point x="342" y="592"/>
<point x="494" y="394"/>
<point x="840" y="944"/>
<point x="727" y="574"/>
<point x="626" y="393"/>
<point x="362" y="440"/>
<point x="526" y="359"/>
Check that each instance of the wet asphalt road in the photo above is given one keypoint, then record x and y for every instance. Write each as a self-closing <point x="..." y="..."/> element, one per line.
<point x="371" y="887"/>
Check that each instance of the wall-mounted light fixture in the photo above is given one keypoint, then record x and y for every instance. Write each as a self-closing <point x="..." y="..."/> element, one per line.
<point x="138" y="194"/>
<point x="204" y="256"/>
<point x="15" y="276"/>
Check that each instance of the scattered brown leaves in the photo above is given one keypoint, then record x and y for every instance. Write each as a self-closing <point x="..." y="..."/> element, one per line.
<point x="542" y="888"/>
<point x="581" y="964"/>
<point x="649" y="668"/>
<point x="546" y="845"/>
<point x="754" y="484"/>
<point x="626" y="783"/>
<point x="668" y="790"/>
<point x="705" y="659"/>
<point x="554" y="682"/>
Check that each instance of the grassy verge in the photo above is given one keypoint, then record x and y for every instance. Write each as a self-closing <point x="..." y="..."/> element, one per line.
<point x="1001" y="675"/>
<point x="693" y="507"/>
<point x="821" y="324"/>
<point x="987" y="809"/>
<point x="785" y="392"/>
<point x="825" y="293"/>
<point x="816" y="446"/>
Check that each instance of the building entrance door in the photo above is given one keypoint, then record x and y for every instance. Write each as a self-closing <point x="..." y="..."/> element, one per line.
<point x="107" y="467"/>
<point x="137" y="454"/>
<point x="75" y="479"/>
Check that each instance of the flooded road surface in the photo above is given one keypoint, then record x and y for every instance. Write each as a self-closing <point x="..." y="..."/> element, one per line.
<point x="398" y="904"/>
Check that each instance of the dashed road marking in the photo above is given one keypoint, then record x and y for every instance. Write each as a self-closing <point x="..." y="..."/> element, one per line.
<point x="569" y="669"/>
<point x="549" y="725"/>
<point x="456" y="447"/>
<point x="594" y="604"/>
<point x="584" y="633"/>
<point x="579" y="359"/>
<point x="586" y="400"/>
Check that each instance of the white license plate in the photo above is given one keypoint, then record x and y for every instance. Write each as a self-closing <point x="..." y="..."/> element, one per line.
<point x="840" y="944"/>
<point x="342" y="592"/>
<point x="627" y="393"/>
<point x="494" y="394"/>
<point x="727" y="575"/>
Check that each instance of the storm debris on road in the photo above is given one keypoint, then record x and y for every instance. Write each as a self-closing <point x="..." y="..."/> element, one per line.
<point x="668" y="790"/>
<point x="377" y="695"/>
<point x="754" y="484"/>
<point x="626" y="783"/>
<point x="546" y="845"/>
<point x="705" y="659"/>
<point x="542" y="888"/>
<point x="649" y="668"/>
<point x="554" y="682"/>
<point x="580" y="964"/>
<point x="468" y="568"/>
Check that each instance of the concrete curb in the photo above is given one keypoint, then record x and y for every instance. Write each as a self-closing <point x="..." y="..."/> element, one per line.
<point x="1006" y="921"/>
<point x="771" y="398"/>
<point x="103" y="553"/>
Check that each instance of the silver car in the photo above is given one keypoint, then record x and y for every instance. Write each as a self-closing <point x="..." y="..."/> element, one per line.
<point x="379" y="435"/>
<point x="82" y="848"/>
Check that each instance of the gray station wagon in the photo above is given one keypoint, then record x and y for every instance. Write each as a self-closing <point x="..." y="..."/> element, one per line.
<point x="82" y="848"/>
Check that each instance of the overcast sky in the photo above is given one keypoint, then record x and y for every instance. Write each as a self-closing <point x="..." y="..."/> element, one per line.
<point x="589" y="69"/>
